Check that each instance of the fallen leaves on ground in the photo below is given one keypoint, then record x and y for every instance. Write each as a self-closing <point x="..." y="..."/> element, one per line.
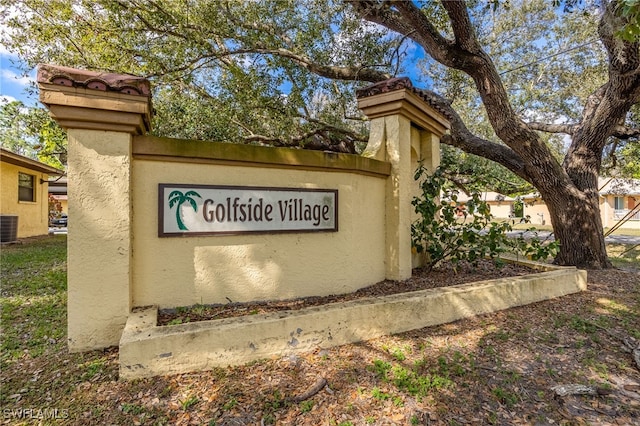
<point x="495" y="369"/>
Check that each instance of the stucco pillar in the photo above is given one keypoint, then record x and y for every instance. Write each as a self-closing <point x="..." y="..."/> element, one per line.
<point x="405" y="130"/>
<point x="101" y="113"/>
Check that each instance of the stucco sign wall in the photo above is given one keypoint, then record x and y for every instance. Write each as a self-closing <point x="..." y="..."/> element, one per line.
<point x="210" y="210"/>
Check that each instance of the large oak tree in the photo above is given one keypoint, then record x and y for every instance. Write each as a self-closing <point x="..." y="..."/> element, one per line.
<point x="283" y="73"/>
<point x="569" y="188"/>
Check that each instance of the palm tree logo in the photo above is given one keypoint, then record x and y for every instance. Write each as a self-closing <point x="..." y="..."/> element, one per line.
<point x="177" y="197"/>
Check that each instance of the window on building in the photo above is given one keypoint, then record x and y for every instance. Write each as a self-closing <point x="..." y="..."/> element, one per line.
<point x="618" y="203"/>
<point x="26" y="187"/>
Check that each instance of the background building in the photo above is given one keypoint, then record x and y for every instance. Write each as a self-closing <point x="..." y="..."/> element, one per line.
<point x="24" y="199"/>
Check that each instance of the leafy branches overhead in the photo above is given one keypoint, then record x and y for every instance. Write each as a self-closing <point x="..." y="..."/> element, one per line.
<point x="263" y="68"/>
<point x="282" y="72"/>
<point x="31" y="132"/>
<point x="630" y="9"/>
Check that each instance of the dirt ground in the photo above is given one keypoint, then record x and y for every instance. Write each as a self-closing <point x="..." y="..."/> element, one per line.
<point x="495" y="369"/>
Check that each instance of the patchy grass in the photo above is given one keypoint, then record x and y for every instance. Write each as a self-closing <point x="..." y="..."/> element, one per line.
<point x="625" y="256"/>
<point x="34" y="297"/>
<point x="492" y="369"/>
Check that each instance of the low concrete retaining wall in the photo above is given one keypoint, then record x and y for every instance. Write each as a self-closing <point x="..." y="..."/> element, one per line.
<point x="149" y="350"/>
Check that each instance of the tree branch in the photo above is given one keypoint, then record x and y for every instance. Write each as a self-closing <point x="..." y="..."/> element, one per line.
<point x="359" y="73"/>
<point x="381" y="14"/>
<point x="316" y="139"/>
<point x="461" y="25"/>
<point x="462" y="138"/>
<point x="426" y="34"/>
<point x="623" y="132"/>
<point x="568" y="129"/>
<point x="624" y="56"/>
<point x="620" y="131"/>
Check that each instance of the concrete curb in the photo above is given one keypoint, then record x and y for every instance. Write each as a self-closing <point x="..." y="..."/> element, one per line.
<point x="148" y="350"/>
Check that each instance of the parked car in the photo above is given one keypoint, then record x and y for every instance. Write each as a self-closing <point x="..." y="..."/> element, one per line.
<point x="59" y="222"/>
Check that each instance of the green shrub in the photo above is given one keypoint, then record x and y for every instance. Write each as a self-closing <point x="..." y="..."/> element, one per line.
<point x="447" y="230"/>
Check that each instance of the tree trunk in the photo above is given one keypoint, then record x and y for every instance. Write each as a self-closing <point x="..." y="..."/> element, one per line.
<point x="577" y="225"/>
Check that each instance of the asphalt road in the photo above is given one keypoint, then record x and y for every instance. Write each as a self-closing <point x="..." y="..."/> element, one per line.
<point x="543" y="235"/>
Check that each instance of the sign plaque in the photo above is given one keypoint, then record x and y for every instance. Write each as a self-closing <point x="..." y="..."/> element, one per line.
<point x="191" y="210"/>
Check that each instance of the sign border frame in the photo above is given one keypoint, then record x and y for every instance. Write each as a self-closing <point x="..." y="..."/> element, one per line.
<point x="161" y="211"/>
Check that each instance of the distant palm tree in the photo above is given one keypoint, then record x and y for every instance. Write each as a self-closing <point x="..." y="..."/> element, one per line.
<point x="180" y="198"/>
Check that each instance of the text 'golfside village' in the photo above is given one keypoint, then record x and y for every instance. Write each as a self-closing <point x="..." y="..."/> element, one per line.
<point x="291" y="210"/>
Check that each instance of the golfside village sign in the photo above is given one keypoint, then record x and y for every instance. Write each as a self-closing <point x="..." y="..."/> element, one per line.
<point x="186" y="210"/>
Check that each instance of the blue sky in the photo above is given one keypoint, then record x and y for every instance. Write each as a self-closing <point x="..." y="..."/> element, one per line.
<point x="13" y="84"/>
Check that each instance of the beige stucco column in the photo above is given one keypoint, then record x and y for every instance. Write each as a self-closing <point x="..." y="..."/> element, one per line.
<point x="405" y="129"/>
<point x="101" y="113"/>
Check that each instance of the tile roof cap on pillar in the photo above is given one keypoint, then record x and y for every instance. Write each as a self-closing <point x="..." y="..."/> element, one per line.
<point x="386" y="96"/>
<point x="72" y="77"/>
<point x="385" y="86"/>
<point x="94" y="100"/>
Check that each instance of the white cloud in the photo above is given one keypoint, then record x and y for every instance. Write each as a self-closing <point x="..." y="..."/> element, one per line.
<point x="3" y="49"/>
<point x="6" y="99"/>
<point x="13" y="77"/>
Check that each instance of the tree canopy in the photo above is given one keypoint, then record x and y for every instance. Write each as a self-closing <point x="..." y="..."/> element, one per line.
<point x="236" y="71"/>
<point x="545" y="89"/>
<point x="29" y="131"/>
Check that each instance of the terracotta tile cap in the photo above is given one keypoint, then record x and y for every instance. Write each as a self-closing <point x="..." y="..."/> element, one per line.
<point x="385" y="86"/>
<point x="108" y="82"/>
<point x="399" y="83"/>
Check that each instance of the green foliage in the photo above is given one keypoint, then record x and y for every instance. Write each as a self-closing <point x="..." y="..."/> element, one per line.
<point x="189" y="402"/>
<point x="381" y="368"/>
<point x="230" y="404"/>
<point x="630" y="10"/>
<point x="479" y="174"/>
<point x="447" y="230"/>
<point x="630" y="157"/>
<point x="283" y="73"/>
<point x="548" y="59"/>
<point x="412" y="381"/>
<point x="398" y="354"/>
<point x="130" y="408"/>
<point x="225" y="70"/>
<point x="415" y="384"/>
<point x="505" y="396"/>
<point x="453" y="367"/>
<point x="306" y="406"/>
<point x="31" y="132"/>
<point x="533" y="247"/>
<point x="272" y="403"/>
<point x="92" y="368"/>
<point x="380" y="395"/>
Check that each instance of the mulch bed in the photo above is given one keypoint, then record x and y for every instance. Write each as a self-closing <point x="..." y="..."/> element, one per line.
<point x="444" y="276"/>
